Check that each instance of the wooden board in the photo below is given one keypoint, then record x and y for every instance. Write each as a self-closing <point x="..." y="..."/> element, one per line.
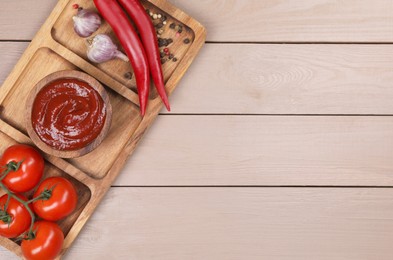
<point x="127" y="126"/>
<point x="248" y="20"/>
<point x="238" y="223"/>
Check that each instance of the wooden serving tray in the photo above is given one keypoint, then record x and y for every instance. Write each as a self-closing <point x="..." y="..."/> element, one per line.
<point x="56" y="47"/>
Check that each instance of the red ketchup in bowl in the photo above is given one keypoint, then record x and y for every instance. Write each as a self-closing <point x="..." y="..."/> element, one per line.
<point x="68" y="114"/>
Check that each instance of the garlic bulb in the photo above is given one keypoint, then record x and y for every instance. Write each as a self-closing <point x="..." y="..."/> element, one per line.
<point x="86" y="22"/>
<point x="103" y="49"/>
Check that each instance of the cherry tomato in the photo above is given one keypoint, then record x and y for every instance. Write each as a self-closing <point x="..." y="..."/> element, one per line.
<point x="30" y="171"/>
<point x="61" y="202"/>
<point x="46" y="243"/>
<point x="19" y="218"/>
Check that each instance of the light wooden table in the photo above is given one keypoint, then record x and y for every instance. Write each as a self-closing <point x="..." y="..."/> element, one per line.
<point x="272" y="151"/>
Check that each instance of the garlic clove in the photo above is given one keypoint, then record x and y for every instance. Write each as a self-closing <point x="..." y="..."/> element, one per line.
<point x="103" y="49"/>
<point x="86" y="22"/>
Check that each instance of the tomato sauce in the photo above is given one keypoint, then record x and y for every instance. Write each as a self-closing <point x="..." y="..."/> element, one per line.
<point x="68" y="114"/>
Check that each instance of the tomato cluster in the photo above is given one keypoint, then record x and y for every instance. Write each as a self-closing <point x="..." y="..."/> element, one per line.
<point x="54" y="199"/>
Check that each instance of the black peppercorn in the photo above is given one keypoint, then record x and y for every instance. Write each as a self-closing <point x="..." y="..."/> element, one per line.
<point x="128" y="75"/>
<point x="162" y="42"/>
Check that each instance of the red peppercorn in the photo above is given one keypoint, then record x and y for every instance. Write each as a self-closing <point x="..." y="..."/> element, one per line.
<point x="75" y="6"/>
<point x="166" y="50"/>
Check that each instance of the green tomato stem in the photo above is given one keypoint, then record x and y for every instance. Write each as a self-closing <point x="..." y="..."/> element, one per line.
<point x="5" y="173"/>
<point x="12" y="166"/>
<point x="24" y="203"/>
<point x="40" y="197"/>
<point x="7" y="202"/>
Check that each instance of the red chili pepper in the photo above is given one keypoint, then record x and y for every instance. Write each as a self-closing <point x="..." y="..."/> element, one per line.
<point x="117" y="19"/>
<point x="149" y="38"/>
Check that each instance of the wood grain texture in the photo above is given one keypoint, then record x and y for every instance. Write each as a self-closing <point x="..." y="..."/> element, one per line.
<point x="277" y="79"/>
<point x="238" y="223"/>
<point x="10" y="52"/>
<point x="97" y="169"/>
<point x="288" y="79"/>
<point x="247" y="20"/>
<point x="264" y="150"/>
<point x="20" y="20"/>
<point x="252" y="223"/>
<point x="294" y="21"/>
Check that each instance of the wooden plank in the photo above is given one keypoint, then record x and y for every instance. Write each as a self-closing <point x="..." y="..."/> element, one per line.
<point x="20" y="20"/>
<point x="264" y="150"/>
<point x="277" y="79"/>
<point x="294" y="21"/>
<point x="10" y="53"/>
<point x="288" y="79"/>
<point x="238" y="223"/>
<point x="247" y="20"/>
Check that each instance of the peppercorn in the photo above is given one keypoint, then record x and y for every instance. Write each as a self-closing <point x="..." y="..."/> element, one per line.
<point x="172" y="25"/>
<point x="159" y="25"/>
<point x="128" y="75"/>
<point x="169" y="41"/>
<point x="75" y="6"/>
<point x="162" y="42"/>
<point x="171" y="56"/>
<point x="162" y="54"/>
<point x="174" y="59"/>
<point x="163" y="61"/>
<point x="163" y="18"/>
<point x="186" y="41"/>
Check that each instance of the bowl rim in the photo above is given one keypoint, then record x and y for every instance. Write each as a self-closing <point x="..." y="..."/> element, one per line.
<point x="79" y="75"/>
